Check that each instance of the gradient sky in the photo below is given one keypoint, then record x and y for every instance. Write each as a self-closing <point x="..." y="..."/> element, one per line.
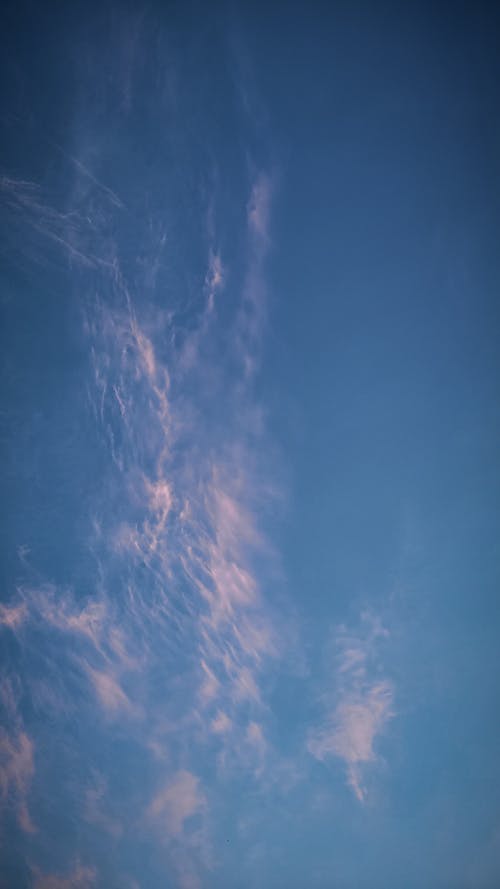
<point x="249" y="613"/>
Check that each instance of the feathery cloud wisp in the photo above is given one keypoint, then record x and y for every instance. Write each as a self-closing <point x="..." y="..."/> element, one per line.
<point x="361" y="705"/>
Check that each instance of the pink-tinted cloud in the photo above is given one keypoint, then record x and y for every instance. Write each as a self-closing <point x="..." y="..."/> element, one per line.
<point x="96" y="806"/>
<point x="189" y="546"/>
<point x="350" y="731"/>
<point x="180" y="799"/>
<point x="110" y="694"/>
<point x="13" y="616"/>
<point x="238" y="632"/>
<point x="179" y="812"/>
<point x="16" y="772"/>
<point x="259" y="207"/>
<point x="215" y="278"/>
<point x="71" y="232"/>
<point x="190" y="355"/>
<point x="80" y="877"/>
<point x="221" y="723"/>
<point x="210" y="685"/>
<point x="361" y="707"/>
<point x="256" y="741"/>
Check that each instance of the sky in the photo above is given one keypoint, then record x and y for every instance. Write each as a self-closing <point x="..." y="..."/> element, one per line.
<point x="249" y="601"/>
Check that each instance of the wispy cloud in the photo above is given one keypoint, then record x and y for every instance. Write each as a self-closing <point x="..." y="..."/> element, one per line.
<point x="16" y="772"/>
<point x="170" y="639"/>
<point x="110" y="694"/>
<point x="252" y="314"/>
<point x="80" y="877"/>
<point x="17" y="756"/>
<point x="190" y="354"/>
<point x="179" y="800"/>
<point x="58" y="608"/>
<point x="359" y="703"/>
<point x="12" y="616"/>
<point x="180" y="656"/>
<point x="196" y="513"/>
<point x="95" y="806"/>
<point x="70" y="232"/>
<point x="173" y="811"/>
<point x="259" y="209"/>
<point x="221" y="723"/>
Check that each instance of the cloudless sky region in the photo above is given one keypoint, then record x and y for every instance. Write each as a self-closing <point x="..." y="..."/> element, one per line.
<point x="250" y="419"/>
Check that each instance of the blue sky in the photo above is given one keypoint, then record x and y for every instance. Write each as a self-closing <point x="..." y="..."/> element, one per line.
<point x="249" y="292"/>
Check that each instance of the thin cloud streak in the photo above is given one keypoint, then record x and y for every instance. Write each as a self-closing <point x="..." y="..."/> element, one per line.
<point x="17" y="756"/>
<point x="16" y="772"/>
<point x="80" y="877"/>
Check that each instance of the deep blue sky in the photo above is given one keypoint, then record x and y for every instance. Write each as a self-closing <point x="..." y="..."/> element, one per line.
<point x="250" y="419"/>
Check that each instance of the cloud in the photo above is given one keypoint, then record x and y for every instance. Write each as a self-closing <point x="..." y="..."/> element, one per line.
<point x="80" y="877"/>
<point x="95" y="624"/>
<point x="210" y="685"/>
<point x="58" y="608"/>
<point x="351" y="729"/>
<point x="237" y="630"/>
<point x="191" y="353"/>
<point x="173" y="809"/>
<point x="255" y="735"/>
<point x="252" y="314"/>
<point x="361" y="707"/>
<point x="244" y="684"/>
<point x="110" y="694"/>
<point x="215" y="278"/>
<point x="17" y="755"/>
<point x="16" y="772"/>
<point x="259" y="208"/>
<point x="257" y="743"/>
<point x="179" y="812"/>
<point x="221" y="723"/>
<point x="13" y="616"/>
<point x="179" y="800"/>
<point x="95" y="806"/>
<point x="170" y="602"/>
<point x="180" y="532"/>
<point x="29" y="214"/>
